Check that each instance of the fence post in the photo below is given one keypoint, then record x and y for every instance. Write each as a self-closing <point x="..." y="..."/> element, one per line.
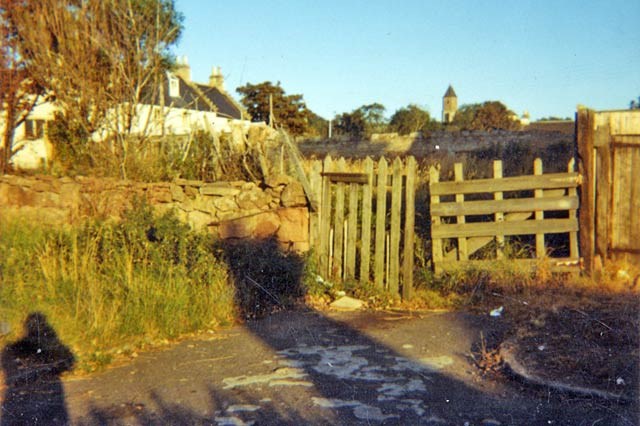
<point x="436" y="243"/>
<point x="585" y="134"/>
<point x="338" y="225"/>
<point x="381" y="211"/>
<point x="352" y="232"/>
<point x="365" y="240"/>
<point x="315" y="180"/>
<point x="573" y="236"/>
<point x="499" y="216"/>
<point x="396" y="206"/>
<point x="539" y="215"/>
<point x="325" y="219"/>
<point x="462" y="241"/>
<point x="409" y="230"/>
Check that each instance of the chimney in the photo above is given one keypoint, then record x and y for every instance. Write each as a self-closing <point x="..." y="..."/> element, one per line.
<point x="183" y="70"/>
<point x="216" y="79"/>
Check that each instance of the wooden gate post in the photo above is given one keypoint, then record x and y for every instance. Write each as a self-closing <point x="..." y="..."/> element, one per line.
<point x="585" y="133"/>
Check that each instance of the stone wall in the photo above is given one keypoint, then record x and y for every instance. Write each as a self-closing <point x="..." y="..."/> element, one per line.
<point x="277" y="208"/>
<point x="423" y="146"/>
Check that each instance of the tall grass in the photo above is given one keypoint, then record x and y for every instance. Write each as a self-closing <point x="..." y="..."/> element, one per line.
<point x="105" y="286"/>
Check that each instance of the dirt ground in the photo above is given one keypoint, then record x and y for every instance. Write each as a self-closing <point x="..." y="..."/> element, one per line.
<point x="573" y="336"/>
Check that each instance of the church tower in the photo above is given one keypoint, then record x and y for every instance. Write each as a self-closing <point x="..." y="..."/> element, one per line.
<point x="449" y="105"/>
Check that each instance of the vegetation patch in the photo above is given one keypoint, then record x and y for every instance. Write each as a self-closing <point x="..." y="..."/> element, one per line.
<point x="109" y="286"/>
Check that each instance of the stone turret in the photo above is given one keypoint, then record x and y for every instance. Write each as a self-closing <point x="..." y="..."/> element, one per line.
<point x="449" y="105"/>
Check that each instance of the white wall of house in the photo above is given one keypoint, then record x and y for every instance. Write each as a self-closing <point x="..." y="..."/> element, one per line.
<point x="36" y="150"/>
<point x="30" y="138"/>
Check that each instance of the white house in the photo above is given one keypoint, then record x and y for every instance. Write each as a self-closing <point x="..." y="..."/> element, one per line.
<point x="186" y="107"/>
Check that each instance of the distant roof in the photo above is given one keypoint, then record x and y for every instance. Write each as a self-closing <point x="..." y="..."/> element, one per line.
<point x="199" y="97"/>
<point x="450" y="93"/>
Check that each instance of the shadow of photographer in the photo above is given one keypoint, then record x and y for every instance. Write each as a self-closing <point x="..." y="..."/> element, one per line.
<point x="32" y="367"/>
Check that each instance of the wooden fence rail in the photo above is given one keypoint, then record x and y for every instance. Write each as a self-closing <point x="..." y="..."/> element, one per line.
<point x="453" y="222"/>
<point x="364" y="212"/>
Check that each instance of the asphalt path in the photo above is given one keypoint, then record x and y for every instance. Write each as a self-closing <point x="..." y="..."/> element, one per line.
<point x="305" y="367"/>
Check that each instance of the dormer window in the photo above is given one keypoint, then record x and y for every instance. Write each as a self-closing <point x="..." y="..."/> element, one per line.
<point x="174" y="87"/>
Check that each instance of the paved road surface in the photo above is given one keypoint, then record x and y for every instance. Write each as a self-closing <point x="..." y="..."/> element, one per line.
<point x="337" y="368"/>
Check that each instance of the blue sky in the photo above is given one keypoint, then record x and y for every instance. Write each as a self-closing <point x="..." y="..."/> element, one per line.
<point x="541" y="56"/>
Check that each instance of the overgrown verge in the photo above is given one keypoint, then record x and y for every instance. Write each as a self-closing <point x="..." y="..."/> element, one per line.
<point x="113" y="287"/>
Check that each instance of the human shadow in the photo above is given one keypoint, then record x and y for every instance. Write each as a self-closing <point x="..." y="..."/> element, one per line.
<point x="32" y="367"/>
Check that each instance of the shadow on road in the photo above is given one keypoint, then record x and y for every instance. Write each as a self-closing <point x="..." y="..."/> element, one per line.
<point x="302" y="367"/>
<point x="32" y="367"/>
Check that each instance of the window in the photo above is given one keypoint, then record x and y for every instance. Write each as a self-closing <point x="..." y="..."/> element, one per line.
<point x="33" y="129"/>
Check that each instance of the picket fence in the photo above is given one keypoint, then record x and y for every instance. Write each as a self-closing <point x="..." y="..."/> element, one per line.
<point x="363" y="228"/>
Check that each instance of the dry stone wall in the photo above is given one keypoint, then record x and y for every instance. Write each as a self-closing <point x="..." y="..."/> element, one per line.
<point x="242" y="210"/>
<point x="423" y="146"/>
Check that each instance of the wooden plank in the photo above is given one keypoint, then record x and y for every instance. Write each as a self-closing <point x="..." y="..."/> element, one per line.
<point x="603" y="193"/>
<point x="512" y="205"/>
<point x="394" y="237"/>
<point x="381" y="211"/>
<point x="568" y="264"/>
<point x="518" y="183"/>
<point x="634" y="200"/>
<point x="352" y="231"/>
<point x="347" y="177"/>
<point x="315" y="180"/>
<point x="462" y="241"/>
<point x="480" y="229"/>
<point x="621" y="212"/>
<point x="338" y="226"/>
<point x="499" y="214"/>
<point x="573" y="214"/>
<point x="585" y="134"/>
<point x="409" y="229"/>
<point x="539" y="214"/>
<point x="294" y="156"/>
<point x="476" y="243"/>
<point x="365" y="239"/>
<point x="325" y="222"/>
<point x="436" y="243"/>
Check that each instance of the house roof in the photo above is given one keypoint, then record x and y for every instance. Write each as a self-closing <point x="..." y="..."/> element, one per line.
<point x="198" y="97"/>
<point x="450" y="93"/>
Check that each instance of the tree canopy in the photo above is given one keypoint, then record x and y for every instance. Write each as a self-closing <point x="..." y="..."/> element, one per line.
<point x="410" y="119"/>
<point x="362" y="121"/>
<point x="289" y="111"/>
<point x="490" y="115"/>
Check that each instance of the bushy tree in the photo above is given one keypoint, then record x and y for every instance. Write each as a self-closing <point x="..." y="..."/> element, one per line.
<point x="352" y="124"/>
<point x="490" y="115"/>
<point x="634" y="104"/>
<point x="98" y="57"/>
<point x="410" y="119"/>
<point x="289" y="111"/>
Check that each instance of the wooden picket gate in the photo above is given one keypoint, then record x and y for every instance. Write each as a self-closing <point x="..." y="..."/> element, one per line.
<point x="507" y="209"/>
<point x="363" y="230"/>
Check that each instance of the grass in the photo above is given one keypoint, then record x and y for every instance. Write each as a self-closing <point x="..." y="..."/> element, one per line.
<point x="105" y="286"/>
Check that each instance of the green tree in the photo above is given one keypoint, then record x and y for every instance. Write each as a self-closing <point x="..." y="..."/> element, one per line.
<point x="289" y="111"/>
<point x="634" y="104"/>
<point x="373" y="115"/>
<point x="352" y="124"/>
<point x="490" y="115"/>
<point x="410" y="119"/>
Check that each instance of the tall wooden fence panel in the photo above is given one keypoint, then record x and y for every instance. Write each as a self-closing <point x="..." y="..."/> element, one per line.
<point x="364" y="228"/>
<point x="609" y="149"/>
<point x="467" y="215"/>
